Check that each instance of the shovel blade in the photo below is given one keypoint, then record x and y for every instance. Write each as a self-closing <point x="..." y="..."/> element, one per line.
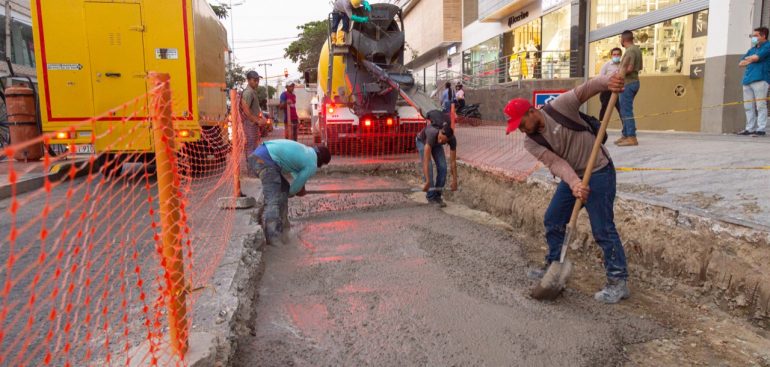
<point x="553" y="282"/>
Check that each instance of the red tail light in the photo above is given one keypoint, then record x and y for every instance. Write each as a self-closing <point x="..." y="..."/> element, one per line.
<point x="331" y="108"/>
<point x="390" y="121"/>
<point x="368" y="122"/>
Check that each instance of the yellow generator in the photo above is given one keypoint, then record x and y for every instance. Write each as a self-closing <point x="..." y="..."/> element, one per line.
<point x="94" y="56"/>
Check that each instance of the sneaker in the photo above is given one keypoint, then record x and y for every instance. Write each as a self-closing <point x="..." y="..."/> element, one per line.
<point x="619" y="140"/>
<point x="628" y="142"/>
<point x="745" y="133"/>
<point x="759" y="133"/>
<point x="437" y="202"/>
<point x="613" y="292"/>
<point x="537" y="273"/>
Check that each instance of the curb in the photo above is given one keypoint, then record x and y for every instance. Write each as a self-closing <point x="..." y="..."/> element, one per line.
<point x="57" y="172"/>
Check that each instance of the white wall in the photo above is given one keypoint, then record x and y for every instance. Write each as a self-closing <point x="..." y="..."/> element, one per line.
<point x="730" y="23"/>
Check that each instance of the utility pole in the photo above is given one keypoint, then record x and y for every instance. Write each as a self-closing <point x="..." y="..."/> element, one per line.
<point x="267" y="87"/>
<point x="8" y="48"/>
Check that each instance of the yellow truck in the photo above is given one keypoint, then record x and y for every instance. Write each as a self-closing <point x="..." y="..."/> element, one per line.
<point x="94" y="56"/>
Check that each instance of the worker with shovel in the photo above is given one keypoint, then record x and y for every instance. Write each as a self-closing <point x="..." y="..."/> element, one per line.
<point x="270" y="161"/>
<point x="566" y="141"/>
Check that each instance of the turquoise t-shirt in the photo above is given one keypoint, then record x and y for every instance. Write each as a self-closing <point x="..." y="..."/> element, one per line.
<point x="298" y="160"/>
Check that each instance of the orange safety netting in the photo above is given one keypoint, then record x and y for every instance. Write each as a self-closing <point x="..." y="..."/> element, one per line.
<point x="102" y="264"/>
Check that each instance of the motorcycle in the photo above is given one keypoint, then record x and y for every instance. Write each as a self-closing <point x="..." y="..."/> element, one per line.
<point x="470" y="114"/>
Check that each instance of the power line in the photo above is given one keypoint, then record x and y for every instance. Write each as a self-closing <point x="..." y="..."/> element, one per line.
<point x="266" y="40"/>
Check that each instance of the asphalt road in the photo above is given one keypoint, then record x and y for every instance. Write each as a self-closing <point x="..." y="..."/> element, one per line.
<point x="91" y="282"/>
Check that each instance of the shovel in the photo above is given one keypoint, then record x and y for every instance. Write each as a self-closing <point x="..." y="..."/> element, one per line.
<point x="369" y="191"/>
<point x="555" y="278"/>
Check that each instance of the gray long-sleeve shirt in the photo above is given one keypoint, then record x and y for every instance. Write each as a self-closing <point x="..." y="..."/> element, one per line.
<point x="344" y="6"/>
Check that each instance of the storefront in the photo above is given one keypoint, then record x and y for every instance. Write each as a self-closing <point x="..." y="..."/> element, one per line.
<point x="672" y="36"/>
<point x="535" y="43"/>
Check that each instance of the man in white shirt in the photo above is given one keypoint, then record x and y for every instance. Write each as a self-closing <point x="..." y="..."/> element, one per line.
<point x="611" y="67"/>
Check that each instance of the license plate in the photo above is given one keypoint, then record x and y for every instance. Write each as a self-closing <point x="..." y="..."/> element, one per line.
<point x="84" y="149"/>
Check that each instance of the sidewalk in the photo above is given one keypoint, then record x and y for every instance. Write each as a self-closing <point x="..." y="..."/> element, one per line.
<point x="737" y="196"/>
<point x="706" y="187"/>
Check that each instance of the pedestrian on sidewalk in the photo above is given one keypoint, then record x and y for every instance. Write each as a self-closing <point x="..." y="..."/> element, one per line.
<point x="288" y="104"/>
<point x="632" y="63"/>
<point x="611" y="67"/>
<point x="459" y="96"/>
<point x="270" y="161"/>
<point x="430" y="146"/>
<point x="447" y="97"/>
<point x="554" y="141"/>
<point x="343" y="13"/>
<point x="755" y="83"/>
<point x="251" y="113"/>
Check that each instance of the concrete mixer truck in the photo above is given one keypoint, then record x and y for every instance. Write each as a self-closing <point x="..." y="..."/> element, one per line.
<point x="366" y="97"/>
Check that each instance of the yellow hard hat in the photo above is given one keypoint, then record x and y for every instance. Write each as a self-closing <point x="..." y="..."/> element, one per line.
<point x="355" y="3"/>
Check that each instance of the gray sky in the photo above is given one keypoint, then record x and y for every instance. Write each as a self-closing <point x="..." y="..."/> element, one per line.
<point x="259" y="20"/>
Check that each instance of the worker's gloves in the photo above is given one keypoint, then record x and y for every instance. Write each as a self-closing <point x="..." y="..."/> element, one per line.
<point x="366" y="6"/>
<point x="359" y="19"/>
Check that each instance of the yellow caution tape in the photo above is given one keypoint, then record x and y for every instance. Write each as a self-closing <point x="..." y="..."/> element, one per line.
<point x="636" y="169"/>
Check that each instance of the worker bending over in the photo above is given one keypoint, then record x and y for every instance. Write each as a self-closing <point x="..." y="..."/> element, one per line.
<point x="430" y="145"/>
<point x="559" y="137"/>
<point x="343" y="13"/>
<point x="270" y="161"/>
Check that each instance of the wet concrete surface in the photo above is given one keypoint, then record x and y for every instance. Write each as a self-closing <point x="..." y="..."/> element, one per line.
<point x="391" y="281"/>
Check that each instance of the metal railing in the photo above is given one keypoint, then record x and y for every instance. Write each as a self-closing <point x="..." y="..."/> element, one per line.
<point x="534" y="65"/>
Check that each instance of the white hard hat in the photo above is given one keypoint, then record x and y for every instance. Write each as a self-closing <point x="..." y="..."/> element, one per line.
<point x="289" y="83"/>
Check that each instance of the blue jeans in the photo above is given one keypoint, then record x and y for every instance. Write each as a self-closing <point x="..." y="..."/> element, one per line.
<point x="441" y="169"/>
<point x="627" y="108"/>
<point x="602" y="217"/>
<point x="340" y="17"/>
<point x="275" y="190"/>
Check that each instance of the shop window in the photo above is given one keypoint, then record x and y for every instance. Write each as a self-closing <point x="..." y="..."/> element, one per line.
<point x="556" y="44"/>
<point x="523" y="46"/>
<point x="670" y="47"/>
<point x="607" y="12"/>
<point x="483" y="63"/>
<point x="23" y="47"/>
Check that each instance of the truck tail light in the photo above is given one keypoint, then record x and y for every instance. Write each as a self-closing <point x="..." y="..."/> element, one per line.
<point x="389" y="121"/>
<point x="368" y="122"/>
<point x="184" y="133"/>
<point x="331" y="108"/>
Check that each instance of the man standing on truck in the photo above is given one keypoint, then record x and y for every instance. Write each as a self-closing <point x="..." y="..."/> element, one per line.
<point x="251" y="113"/>
<point x="343" y="13"/>
<point x="430" y="145"/>
<point x="553" y="139"/>
<point x="270" y="161"/>
<point x="289" y="107"/>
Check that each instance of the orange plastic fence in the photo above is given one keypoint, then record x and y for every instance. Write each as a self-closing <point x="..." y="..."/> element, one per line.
<point x="102" y="266"/>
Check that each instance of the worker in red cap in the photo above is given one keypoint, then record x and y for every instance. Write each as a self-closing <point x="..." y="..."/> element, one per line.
<point x="562" y="138"/>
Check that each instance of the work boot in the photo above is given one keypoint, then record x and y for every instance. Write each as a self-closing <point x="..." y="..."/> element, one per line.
<point x="437" y="202"/>
<point x="619" y="140"/>
<point x="760" y="133"/>
<point x="628" y="142"/>
<point x="614" y="291"/>
<point x="745" y="133"/>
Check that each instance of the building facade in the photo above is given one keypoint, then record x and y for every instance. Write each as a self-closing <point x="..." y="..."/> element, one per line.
<point x="688" y="47"/>
<point x="22" y="45"/>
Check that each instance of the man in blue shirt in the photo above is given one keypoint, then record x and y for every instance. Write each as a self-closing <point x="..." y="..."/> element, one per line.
<point x="755" y="83"/>
<point x="270" y="161"/>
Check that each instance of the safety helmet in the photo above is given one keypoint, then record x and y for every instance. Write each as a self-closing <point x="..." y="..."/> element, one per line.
<point x="355" y="3"/>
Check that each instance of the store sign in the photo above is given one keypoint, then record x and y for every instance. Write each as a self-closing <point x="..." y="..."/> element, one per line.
<point x="541" y="97"/>
<point x="697" y="71"/>
<point x="518" y="18"/>
<point x="547" y="5"/>
<point x="700" y="27"/>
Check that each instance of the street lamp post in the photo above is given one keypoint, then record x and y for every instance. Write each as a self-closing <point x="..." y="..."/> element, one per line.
<point x="267" y="87"/>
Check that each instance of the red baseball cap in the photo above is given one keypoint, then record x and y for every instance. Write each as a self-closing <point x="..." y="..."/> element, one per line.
<point x="516" y="109"/>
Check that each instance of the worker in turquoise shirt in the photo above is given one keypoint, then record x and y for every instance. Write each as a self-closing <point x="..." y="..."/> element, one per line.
<point x="271" y="161"/>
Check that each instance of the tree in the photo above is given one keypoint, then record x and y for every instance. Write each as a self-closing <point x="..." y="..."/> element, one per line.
<point x="220" y="10"/>
<point x="236" y="76"/>
<point x="307" y="49"/>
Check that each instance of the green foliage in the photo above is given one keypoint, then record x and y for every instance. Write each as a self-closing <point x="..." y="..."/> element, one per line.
<point x="236" y="76"/>
<point x="307" y="49"/>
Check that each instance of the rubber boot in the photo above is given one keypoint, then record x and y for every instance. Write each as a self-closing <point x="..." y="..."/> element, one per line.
<point x="341" y="38"/>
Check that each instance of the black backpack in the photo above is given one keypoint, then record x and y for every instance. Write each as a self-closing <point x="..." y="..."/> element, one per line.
<point x="593" y="125"/>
